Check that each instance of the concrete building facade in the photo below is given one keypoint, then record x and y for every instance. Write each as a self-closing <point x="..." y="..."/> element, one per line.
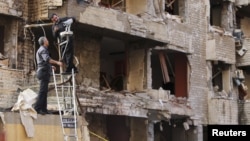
<point x="149" y="70"/>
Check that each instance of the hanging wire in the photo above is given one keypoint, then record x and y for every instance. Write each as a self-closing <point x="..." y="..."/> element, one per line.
<point x="34" y="46"/>
<point x="43" y="31"/>
<point x="42" y="27"/>
<point x="33" y="38"/>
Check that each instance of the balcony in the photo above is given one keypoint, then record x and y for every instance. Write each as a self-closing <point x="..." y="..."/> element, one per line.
<point x="221" y="47"/>
<point x="169" y="32"/>
<point x="103" y="19"/>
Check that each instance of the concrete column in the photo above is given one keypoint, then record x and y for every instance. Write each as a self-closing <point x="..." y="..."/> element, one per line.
<point x="199" y="132"/>
<point x="149" y="69"/>
<point x="150" y="131"/>
<point x="159" y="6"/>
<point x="227" y="16"/>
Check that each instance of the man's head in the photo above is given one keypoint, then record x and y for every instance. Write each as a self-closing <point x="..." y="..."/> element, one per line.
<point x="43" y="41"/>
<point x="54" y="18"/>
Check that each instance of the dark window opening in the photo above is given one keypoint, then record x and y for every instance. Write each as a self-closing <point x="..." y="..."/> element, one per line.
<point x="113" y="65"/>
<point x="176" y="7"/>
<point x="220" y="74"/>
<point x="171" y="130"/>
<point x="242" y="19"/>
<point x="169" y="71"/>
<point x="172" y="7"/>
<point x="243" y="11"/>
<point x="215" y="12"/>
<point x="118" y="128"/>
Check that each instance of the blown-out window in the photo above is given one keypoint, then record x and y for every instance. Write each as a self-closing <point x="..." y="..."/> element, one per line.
<point x="215" y="12"/>
<point x="221" y="77"/>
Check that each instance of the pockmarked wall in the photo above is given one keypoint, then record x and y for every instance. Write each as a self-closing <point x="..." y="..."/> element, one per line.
<point x="10" y="80"/>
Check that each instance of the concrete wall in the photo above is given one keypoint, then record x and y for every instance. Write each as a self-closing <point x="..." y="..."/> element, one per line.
<point x="223" y="111"/>
<point x="38" y="9"/>
<point x="242" y="2"/>
<point x="221" y="48"/>
<point x="244" y="110"/>
<point x="175" y="33"/>
<point x="87" y="52"/>
<point x="43" y="128"/>
<point x="199" y="78"/>
<point x="136" y="70"/>
<point x="11" y="7"/>
<point x="10" y="80"/>
<point x="197" y="19"/>
<point x="17" y="72"/>
<point x="136" y="7"/>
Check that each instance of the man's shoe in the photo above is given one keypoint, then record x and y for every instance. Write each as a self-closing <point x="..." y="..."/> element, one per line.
<point x="49" y="112"/>
<point x="42" y="112"/>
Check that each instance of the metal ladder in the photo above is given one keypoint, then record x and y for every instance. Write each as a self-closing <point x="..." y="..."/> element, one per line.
<point x="67" y="106"/>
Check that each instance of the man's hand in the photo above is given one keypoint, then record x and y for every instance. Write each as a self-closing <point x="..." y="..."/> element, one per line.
<point x="54" y="68"/>
<point x="59" y="63"/>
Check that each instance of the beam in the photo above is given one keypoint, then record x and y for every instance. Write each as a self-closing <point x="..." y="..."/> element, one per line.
<point x="38" y="25"/>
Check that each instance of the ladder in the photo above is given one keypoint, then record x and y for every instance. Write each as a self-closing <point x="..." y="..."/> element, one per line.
<point x="66" y="101"/>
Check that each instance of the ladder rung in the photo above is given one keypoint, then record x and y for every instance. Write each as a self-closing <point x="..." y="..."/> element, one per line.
<point x="71" y="135"/>
<point x="67" y="109"/>
<point x="64" y="86"/>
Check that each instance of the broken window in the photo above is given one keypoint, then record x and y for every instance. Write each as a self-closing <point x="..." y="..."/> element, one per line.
<point x="171" y="6"/>
<point x="175" y="7"/>
<point x="242" y="16"/>
<point x="113" y="65"/>
<point x="215" y="12"/>
<point x="221" y="78"/>
<point x="169" y="71"/>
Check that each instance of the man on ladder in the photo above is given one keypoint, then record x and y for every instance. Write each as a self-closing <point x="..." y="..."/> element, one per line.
<point x="66" y="96"/>
<point x="61" y="31"/>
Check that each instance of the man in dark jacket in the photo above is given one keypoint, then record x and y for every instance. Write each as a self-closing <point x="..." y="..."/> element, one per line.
<point x="44" y="71"/>
<point x="62" y="33"/>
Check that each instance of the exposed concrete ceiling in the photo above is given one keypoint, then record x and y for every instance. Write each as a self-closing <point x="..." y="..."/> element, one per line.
<point x="245" y="10"/>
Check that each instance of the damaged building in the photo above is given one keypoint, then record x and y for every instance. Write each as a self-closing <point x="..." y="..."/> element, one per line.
<point x="149" y="70"/>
